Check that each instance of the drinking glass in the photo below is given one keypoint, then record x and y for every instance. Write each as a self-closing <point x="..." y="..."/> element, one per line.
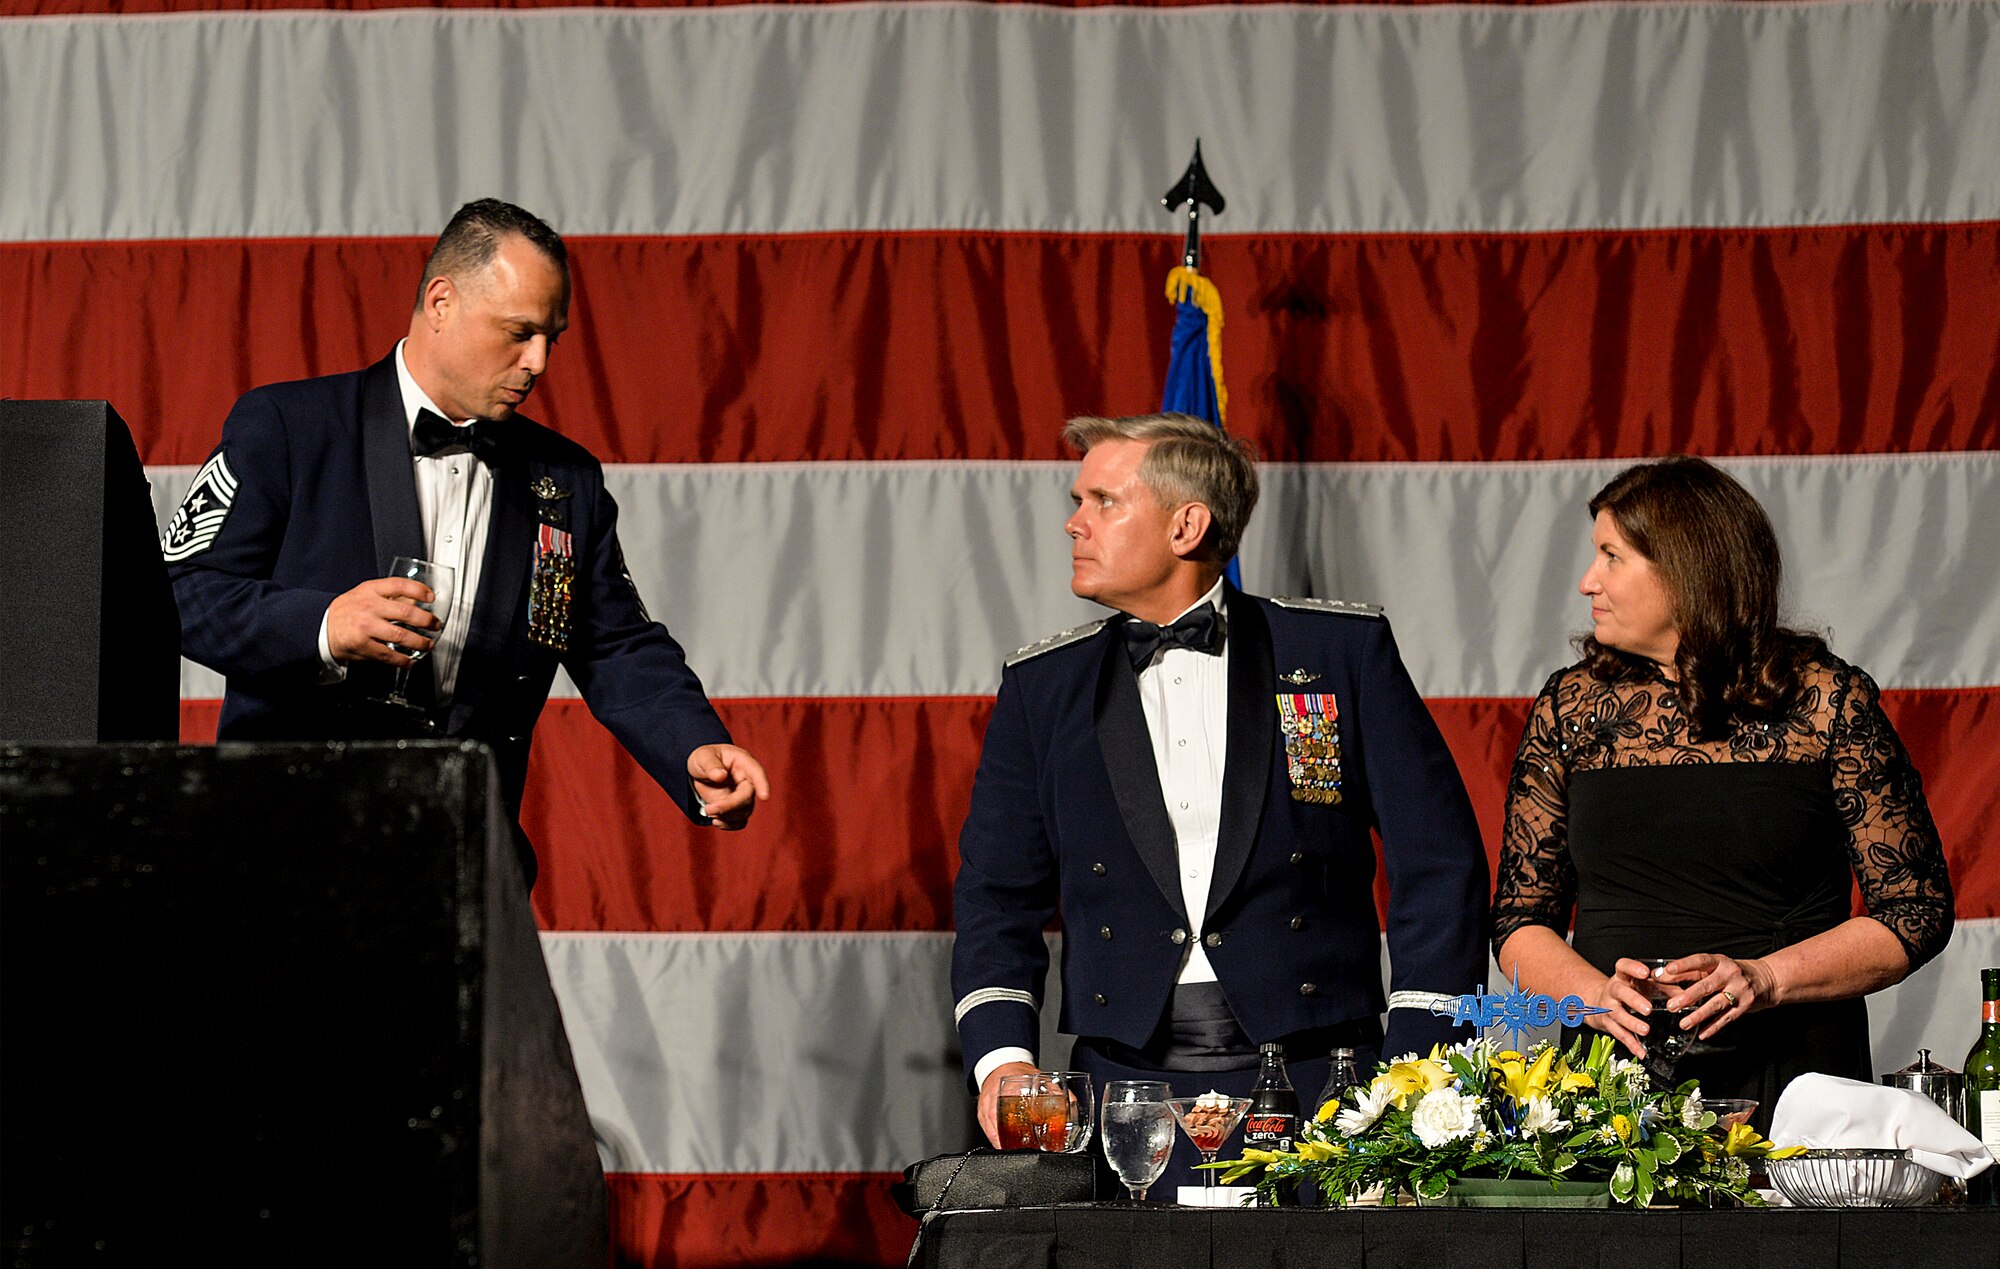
<point x="1017" y="1094"/>
<point x="1138" y="1132"/>
<point x="439" y="578"/>
<point x="1079" y="1116"/>
<point x="1665" y="1041"/>
<point x="1208" y="1124"/>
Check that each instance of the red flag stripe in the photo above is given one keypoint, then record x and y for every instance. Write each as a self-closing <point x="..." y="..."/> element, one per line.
<point x="879" y="785"/>
<point x="1363" y="348"/>
<point x="707" y="1221"/>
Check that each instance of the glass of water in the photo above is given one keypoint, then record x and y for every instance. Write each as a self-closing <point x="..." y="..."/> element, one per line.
<point x="1138" y="1132"/>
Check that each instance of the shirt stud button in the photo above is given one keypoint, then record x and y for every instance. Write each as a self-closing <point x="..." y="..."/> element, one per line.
<point x="1298" y="856"/>
<point x="1098" y="869"/>
<point x="1099" y="998"/>
<point x="1104" y="932"/>
<point x="1298" y="923"/>
<point x="1308" y="989"/>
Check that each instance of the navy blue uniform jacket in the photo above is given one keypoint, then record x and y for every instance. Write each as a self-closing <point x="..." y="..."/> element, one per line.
<point x="325" y="497"/>
<point x="1068" y="817"/>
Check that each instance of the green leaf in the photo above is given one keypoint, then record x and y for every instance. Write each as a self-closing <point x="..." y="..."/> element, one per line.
<point x="1563" y="1162"/>
<point x="1643" y="1160"/>
<point x="1642" y="1190"/>
<point x="1433" y="1186"/>
<point x="1621" y="1183"/>
<point x="1667" y="1145"/>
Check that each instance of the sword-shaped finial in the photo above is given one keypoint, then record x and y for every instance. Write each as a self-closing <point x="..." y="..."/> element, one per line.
<point x="1194" y="189"/>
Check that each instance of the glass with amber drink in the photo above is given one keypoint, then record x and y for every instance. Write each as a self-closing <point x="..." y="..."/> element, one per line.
<point x="1034" y="1112"/>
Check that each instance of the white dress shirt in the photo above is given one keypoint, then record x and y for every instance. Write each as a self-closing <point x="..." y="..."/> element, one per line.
<point x="455" y="502"/>
<point x="1186" y="698"/>
<point x="1185" y="695"/>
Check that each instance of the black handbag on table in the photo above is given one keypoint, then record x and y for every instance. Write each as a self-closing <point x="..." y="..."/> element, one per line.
<point x="995" y="1178"/>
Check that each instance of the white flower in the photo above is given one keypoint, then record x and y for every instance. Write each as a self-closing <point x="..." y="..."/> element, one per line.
<point x="1444" y="1116"/>
<point x="1691" y="1112"/>
<point x="1539" y="1116"/>
<point x="1586" y="1112"/>
<point x="1370" y="1100"/>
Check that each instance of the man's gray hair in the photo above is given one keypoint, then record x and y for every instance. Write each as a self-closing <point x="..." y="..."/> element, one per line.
<point x="1189" y="461"/>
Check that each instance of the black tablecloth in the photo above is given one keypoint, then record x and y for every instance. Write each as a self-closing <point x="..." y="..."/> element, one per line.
<point x="1107" y="1236"/>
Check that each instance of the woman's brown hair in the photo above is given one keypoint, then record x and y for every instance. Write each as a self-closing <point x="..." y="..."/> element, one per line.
<point x="1713" y="548"/>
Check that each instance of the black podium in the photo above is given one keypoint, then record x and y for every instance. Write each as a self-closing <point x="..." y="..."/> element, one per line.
<point x="279" y="1005"/>
<point x="88" y="623"/>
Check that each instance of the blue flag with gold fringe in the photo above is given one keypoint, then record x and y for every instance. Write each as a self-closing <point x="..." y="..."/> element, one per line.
<point x="1194" y="362"/>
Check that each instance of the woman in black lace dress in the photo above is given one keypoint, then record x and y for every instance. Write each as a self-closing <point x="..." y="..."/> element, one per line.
<point x="1704" y="786"/>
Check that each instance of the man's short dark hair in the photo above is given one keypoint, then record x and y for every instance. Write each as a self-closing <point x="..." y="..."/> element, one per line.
<point x="470" y="241"/>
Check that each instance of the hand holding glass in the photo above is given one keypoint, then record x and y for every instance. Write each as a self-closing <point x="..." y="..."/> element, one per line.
<point x="1665" y="1041"/>
<point x="439" y="577"/>
<point x="1034" y="1111"/>
<point x="1138" y="1132"/>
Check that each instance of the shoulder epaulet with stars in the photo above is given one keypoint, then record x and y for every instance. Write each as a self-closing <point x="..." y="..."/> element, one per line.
<point x="1346" y="608"/>
<point x="1074" y="634"/>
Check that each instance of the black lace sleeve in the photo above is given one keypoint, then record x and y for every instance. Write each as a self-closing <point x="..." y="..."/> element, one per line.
<point x="1537" y="882"/>
<point x="1891" y="840"/>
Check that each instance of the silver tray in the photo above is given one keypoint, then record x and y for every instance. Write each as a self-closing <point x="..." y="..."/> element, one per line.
<point x="1854" y="1178"/>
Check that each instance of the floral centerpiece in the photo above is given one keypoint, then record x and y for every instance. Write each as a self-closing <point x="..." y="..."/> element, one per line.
<point x="1482" y="1111"/>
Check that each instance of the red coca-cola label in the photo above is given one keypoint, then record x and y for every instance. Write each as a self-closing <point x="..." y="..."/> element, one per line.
<point x="1270" y="1126"/>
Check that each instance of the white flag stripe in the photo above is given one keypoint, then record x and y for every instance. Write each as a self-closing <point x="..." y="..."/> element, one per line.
<point x="756" y="567"/>
<point x="836" y="1053"/>
<point x="759" y="119"/>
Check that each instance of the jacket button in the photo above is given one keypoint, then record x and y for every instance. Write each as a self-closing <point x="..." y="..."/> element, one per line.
<point x="1099" y="998"/>
<point x="1213" y="938"/>
<point x="1104" y="932"/>
<point x="1298" y="856"/>
<point x="1098" y="869"/>
<point x="1177" y="938"/>
<point x="1298" y="923"/>
<point x="1308" y="989"/>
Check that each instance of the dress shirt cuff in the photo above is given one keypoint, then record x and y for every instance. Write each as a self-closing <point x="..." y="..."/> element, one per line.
<point x="998" y="1058"/>
<point x="330" y="671"/>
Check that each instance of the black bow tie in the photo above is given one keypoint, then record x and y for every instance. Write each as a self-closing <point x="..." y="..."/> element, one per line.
<point x="433" y="435"/>
<point x="1200" y="630"/>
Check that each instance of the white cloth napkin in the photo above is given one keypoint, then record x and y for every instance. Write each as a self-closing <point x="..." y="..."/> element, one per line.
<point x="1826" y="1112"/>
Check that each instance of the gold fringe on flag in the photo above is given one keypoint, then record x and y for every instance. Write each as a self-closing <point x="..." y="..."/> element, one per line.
<point x="1185" y="283"/>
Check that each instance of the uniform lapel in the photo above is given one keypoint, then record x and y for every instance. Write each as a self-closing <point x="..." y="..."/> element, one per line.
<point x="385" y="454"/>
<point x="1253" y="725"/>
<point x="510" y="541"/>
<point x="1135" y="778"/>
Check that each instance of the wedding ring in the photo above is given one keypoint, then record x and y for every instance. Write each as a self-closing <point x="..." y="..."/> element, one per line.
<point x="1731" y="995"/>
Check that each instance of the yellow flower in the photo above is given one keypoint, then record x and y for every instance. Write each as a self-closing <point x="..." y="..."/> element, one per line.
<point x="1743" y="1140"/>
<point x="1572" y="1080"/>
<point x="1408" y="1081"/>
<point x="1327" y="1111"/>
<point x="1786" y="1152"/>
<point x="1622" y="1125"/>
<point x="1264" y="1156"/>
<point x="1320" y="1151"/>
<point x="1522" y="1083"/>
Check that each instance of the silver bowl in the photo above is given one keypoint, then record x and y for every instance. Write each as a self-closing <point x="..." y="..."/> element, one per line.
<point x="1854" y="1178"/>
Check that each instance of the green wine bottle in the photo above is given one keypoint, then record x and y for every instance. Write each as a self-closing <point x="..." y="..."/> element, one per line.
<point x="1982" y="1088"/>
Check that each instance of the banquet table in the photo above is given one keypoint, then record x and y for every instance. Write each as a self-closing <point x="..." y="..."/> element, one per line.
<point x="1127" y="1236"/>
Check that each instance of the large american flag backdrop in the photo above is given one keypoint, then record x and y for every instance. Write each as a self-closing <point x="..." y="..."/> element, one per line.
<point x="841" y="272"/>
